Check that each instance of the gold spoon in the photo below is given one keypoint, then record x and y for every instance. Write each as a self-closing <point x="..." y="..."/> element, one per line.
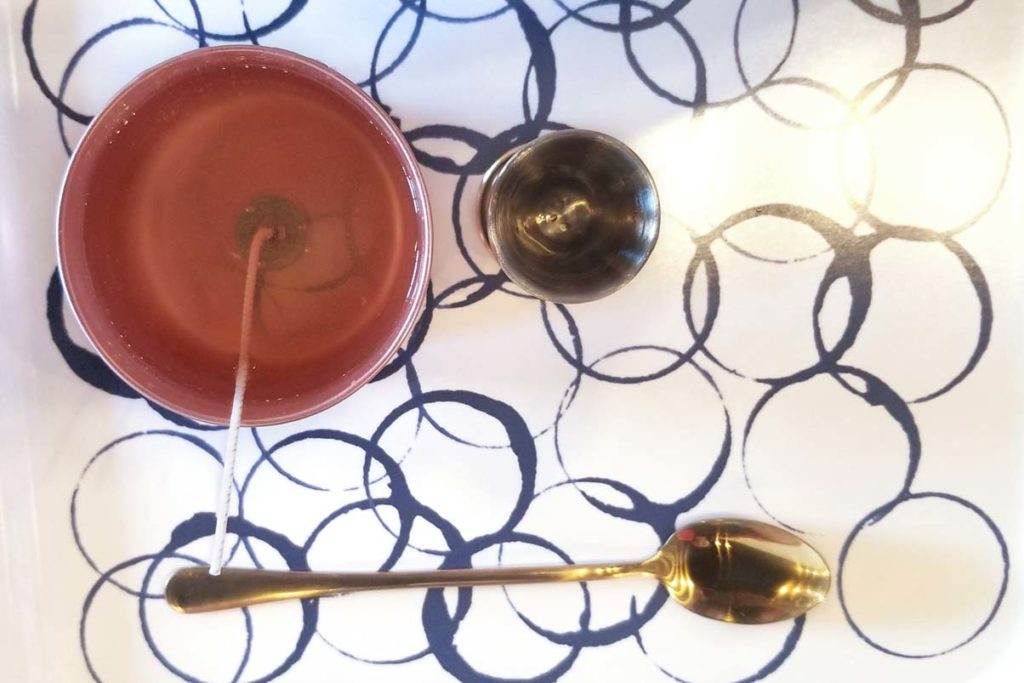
<point x="734" y="570"/>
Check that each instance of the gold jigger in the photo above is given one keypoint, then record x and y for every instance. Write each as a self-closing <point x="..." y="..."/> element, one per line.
<point x="571" y="216"/>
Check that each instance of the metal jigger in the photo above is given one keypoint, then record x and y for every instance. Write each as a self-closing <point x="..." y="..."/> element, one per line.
<point x="571" y="216"/>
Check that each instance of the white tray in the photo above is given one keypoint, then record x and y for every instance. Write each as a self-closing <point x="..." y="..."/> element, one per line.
<point x="908" y="478"/>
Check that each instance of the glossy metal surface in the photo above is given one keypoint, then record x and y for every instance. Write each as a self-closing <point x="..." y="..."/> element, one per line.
<point x="572" y="216"/>
<point x="741" y="571"/>
<point x="733" y="570"/>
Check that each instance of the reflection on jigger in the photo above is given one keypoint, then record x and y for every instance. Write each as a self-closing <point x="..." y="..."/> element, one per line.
<point x="571" y="216"/>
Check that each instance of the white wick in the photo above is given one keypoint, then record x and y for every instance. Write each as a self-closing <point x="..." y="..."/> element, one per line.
<point x="235" y="421"/>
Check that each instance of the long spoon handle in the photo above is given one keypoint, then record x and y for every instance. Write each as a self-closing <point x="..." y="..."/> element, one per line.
<point x="194" y="589"/>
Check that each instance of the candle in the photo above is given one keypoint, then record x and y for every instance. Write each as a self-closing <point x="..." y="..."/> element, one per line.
<point x="160" y="205"/>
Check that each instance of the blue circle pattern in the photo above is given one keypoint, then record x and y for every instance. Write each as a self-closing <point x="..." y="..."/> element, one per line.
<point x="850" y="261"/>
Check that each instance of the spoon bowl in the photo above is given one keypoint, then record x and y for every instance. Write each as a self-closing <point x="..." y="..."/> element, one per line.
<point x="741" y="571"/>
<point x="733" y="570"/>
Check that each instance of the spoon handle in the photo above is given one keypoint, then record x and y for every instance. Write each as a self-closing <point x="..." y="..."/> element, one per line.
<point x="194" y="589"/>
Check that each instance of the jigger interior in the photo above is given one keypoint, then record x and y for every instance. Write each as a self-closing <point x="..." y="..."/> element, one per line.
<point x="571" y="216"/>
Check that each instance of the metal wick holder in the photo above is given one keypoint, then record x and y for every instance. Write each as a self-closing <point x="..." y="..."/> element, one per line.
<point x="571" y="216"/>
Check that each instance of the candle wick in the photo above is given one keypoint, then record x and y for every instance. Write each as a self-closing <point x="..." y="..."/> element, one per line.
<point x="241" y="378"/>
